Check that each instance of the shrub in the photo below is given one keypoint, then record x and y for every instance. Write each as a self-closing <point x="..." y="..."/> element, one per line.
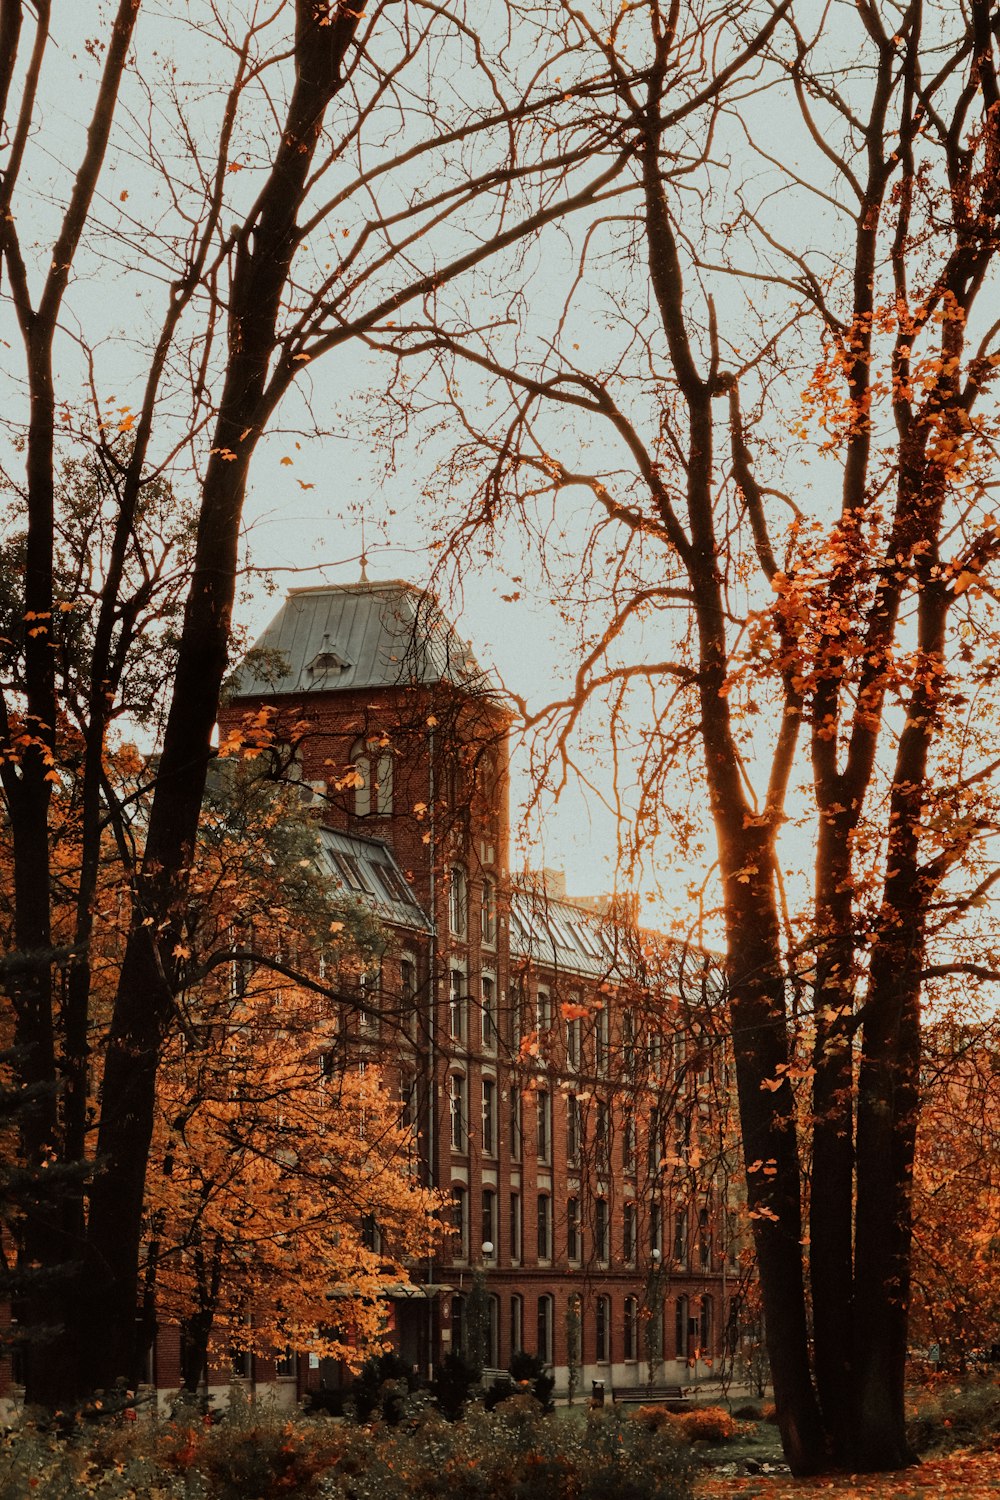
<point x="956" y="1416"/>
<point x="500" y="1390"/>
<point x="381" y="1388"/>
<point x="707" y="1424"/>
<point x="514" y="1453"/>
<point x="528" y="1368"/>
<point x="452" y="1384"/>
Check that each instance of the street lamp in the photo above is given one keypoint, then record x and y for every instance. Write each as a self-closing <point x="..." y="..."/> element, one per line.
<point x="654" y="1321"/>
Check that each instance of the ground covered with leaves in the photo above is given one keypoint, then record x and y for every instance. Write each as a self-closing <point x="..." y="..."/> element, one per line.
<point x="963" y="1475"/>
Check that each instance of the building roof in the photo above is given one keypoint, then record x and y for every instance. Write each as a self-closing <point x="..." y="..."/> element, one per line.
<point x="365" y="635"/>
<point x="368" y="870"/>
<point x="556" y="934"/>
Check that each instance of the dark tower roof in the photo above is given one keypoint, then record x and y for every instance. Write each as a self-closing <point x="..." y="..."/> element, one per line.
<point x="363" y="635"/>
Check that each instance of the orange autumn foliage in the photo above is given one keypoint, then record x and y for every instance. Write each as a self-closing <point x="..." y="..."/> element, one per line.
<point x="283" y="1191"/>
<point x="956" y="1265"/>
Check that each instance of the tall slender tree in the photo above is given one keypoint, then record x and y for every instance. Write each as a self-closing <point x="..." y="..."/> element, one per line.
<point x="318" y="193"/>
<point x="762" y="497"/>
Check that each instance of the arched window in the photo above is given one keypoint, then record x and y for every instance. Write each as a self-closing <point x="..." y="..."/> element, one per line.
<point x="371" y="760"/>
<point x="516" y="1323"/>
<point x="492" y="1350"/>
<point x="602" y="1330"/>
<point x="706" y="1330"/>
<point x="630" y="1329"/>
<point x="458" y="1324"/>
<point x="681" y="1328"/>
<point x="544" y="1345"/>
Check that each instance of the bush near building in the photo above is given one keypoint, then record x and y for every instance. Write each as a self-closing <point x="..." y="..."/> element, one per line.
<point x="514" y="1451"/>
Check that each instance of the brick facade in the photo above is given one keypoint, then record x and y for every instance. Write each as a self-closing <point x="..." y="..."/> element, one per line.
<point x="449" y="822"/>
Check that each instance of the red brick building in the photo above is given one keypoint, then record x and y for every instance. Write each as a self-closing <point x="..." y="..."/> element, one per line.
<point x="560" y="1065"/>
<point x="564" y="1070"/>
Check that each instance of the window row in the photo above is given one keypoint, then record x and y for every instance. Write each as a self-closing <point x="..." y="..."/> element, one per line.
<point x="589" y="1135"/>
<point x="603" y="1332"/>
<point x="587" y="1231"/>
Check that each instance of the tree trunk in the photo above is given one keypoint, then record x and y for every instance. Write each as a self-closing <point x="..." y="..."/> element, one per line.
<point x="144" y="1000"/>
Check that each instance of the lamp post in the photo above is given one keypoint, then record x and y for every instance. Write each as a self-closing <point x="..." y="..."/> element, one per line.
<point x="480" y="1330"/>
<point x="654" y="1320"/>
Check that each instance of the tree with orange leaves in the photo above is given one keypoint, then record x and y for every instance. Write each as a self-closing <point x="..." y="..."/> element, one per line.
<point x="282" y="1174"/>
<point x="956" y="1234"/>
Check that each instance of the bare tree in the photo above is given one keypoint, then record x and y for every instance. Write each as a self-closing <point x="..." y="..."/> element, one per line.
<point x="352" y="165"/>
<point x="764" y="500"/>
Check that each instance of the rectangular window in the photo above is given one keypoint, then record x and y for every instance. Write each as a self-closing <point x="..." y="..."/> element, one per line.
<point x="602" y="1040"/>
<point x="516" y="994"/>
<point x="628" y="1233"/>
<point x="574" y="1129"/>
<point x="573" y="1038"/>
<point x="390" y="882"/>
<point x="458" y="903"/>
<point x="457" y="1109"/>
<point x="544" y="1228"/>
<point x="456" y="1005"/>
<point x="489" y="1117"/>
<point x="653" y="1147"/>
<point x="488" y="911"/>
<point x="408" y="1100"/>
<point x="601" y="1229"/>
<point x="543" y="1011"/>
<point x="489" y="1223"/>
<point x="543" y="1106"/>
<point x="371" y="989"/>
<point x="460" y="1221"/>
<point x="409" y="1013"/>
<point x="490" y="1029"/>
<point x="354" y="876"/>
<point x="516" y="1112"/>
<point x="602" y="1136"/>
<point x="516" y="1236"/>
<point x="681" y="1237"/>
<point x="628" y="1145"/>
<point x="656" y="1228"/>
<point x="628" y="1043"/>
<point x="573" y="1229"/>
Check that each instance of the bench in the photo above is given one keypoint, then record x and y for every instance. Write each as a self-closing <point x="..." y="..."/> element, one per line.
<point x="650" y="1395"/>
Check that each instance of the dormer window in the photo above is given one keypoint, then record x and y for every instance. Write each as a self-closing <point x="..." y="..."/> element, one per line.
<point x="326" y="663"/>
